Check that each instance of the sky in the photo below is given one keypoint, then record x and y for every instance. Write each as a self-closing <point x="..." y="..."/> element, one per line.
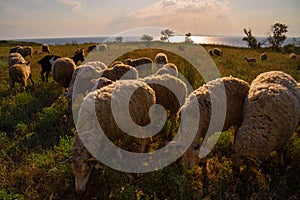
<point x="89" y="18"/>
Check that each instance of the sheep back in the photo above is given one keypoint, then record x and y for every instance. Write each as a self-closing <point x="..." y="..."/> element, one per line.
<point x="170" y="92"/>
<point x="120" y="71"/>
<point x="19" y="73"/>
<point x="62" y="71"/>
<point x="15" y="58"/>
<point x="168" y="68"/>
<point x="235" y="91"/>
<point x="140" y="102"/>
<point x="271" y="115"/>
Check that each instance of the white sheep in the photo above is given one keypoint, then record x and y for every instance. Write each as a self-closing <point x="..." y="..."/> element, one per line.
<point x="263" y="56"/>
<point x="208" y="96"/>
<point x="170" y="92"/>
<point x="62" y="71"/>
<point x="292" y="56"/>
<point x="251" y="60"/>
<point x="270" y="117"/>
<point x="15" y="58"/>
<point x="169" y="68"/>
<point x="140" y="102"/>
<point x="45" y="48"/>
<point x="20" y="73"/>
<point x="160" y="59"/>
<point x="28" y="51"/>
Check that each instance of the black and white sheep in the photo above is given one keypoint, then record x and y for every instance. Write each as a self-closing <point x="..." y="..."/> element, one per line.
<point x="270" y="117"/>
<point x="20" y="73"/>
<point x="212" y="96"/>
<point x="47" y="61"/>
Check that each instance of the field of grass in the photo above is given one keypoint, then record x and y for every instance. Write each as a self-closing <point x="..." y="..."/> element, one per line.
<point x="36" y="134"/>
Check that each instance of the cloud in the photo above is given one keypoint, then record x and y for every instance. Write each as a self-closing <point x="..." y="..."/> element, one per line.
<point x="196" y="16"/>
<point x="74" y="5"/>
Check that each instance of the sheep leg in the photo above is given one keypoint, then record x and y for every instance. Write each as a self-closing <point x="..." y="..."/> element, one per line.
<point x="47" y="75"/>
<point x="42" y="75"/>
<point x="30" y="77"/>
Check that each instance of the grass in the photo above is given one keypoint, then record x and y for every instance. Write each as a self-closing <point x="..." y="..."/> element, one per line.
<point x="36" y="134"/>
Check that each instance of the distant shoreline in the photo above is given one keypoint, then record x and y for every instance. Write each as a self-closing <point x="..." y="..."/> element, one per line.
<point x="233" y="41"/>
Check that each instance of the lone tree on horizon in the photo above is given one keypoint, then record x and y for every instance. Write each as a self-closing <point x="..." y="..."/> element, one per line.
<point x="277" y="35"/>
<point x="147" y="39"/>
<point x="252" y="42"/>
<point x="166" y="34"/>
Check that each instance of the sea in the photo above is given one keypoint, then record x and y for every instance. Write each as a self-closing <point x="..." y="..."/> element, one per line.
<point x="235" y="41"/>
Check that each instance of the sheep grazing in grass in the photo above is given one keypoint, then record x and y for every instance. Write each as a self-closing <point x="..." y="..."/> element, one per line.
<point x="45" y="48"/>
<point x="62" y="71"/>
<point x="102" y="47"/>
<point x="143" y="65"/>
<point x="292" y="56"/>
<point x="28" y="51"/>
<point x="120" y="71"/>
<point x="168" y="68"/>
<point x="78" y="56"/>
<point x="160" y="59"/>
<point x="46" y="63"/>
<point x="82" y="164"/>
<point x="251" y="61"/>
<point x="15" y="58"/>
<point x="235" y="92"/>
<point x="92" y="47"/>
<point x="140" y="102"/>
<point x="16" y="49"/>
<point x="20" y="73"/>
<point x="170" y="92"/>
<point x="210" y="52"/>
<point x="218" y="52"/>
<point x="83" y="75"/>
<point x="271" y="116"/>
<point x="263" y="56"/>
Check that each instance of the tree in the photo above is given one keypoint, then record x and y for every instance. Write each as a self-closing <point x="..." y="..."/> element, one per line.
<point x="119" y="39"/>
<point x="252" y="42"/>
<point x="166" y="34"/>
<point x="187" y="38"/>
<point x="277" y="35"/>
<point x="147" y="38"/>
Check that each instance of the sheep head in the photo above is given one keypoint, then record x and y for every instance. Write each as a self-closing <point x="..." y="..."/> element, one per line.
<point x="82" y="164"/>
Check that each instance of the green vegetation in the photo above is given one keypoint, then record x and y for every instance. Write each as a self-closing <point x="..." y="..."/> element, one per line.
<point x="36" y="134"/>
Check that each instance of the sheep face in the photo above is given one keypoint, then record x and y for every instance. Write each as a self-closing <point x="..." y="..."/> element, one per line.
<point x="82" y="164"/>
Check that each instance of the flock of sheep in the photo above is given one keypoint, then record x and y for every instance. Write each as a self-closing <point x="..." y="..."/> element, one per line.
<point x="250" y="60"/>
<point x="267" y="112"/>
